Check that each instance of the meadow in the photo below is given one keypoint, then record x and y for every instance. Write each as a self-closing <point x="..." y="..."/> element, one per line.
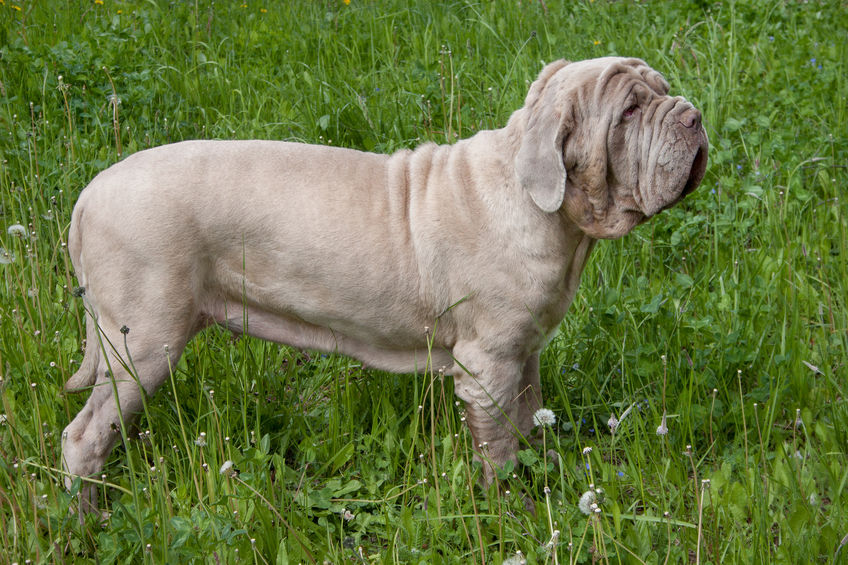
<point x="716" y="334"/>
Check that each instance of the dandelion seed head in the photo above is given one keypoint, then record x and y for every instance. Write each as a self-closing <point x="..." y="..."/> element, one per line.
<point x="227" y="469"/>
<point x="544" y="417"/>
<point x="662" y="429"/>
<point x="587" y="501"/>
<point x="554" y="539"/>
<point x="17" y="230"/>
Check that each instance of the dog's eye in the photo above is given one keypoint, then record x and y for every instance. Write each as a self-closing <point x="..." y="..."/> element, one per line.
<point x="630" y="110"/>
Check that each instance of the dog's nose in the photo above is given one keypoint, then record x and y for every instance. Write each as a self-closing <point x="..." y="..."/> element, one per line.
<point x="691" y="118"/>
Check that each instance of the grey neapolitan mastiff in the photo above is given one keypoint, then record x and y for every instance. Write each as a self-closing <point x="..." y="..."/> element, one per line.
<point x="339" y="250"/>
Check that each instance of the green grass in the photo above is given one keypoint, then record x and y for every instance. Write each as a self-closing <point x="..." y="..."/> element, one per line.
<point x="728" y="312"/>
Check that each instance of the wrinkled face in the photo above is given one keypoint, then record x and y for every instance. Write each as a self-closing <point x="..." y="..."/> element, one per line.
<point x="628" y="150"/>
<point x="634" y="150"/>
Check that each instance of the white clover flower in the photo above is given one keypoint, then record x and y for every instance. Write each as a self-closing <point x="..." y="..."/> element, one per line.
<point x="17" y="230"/>
<point x="612" y="423"/>
<point x="662" y="429"/>
<point x="587" y="501"/>
<point x="544" y="417"/>
<point x="348" y="515"/>
<point x="587" y="450"/>
<point x="227" y="469"/>
<point x="201" y="440"/>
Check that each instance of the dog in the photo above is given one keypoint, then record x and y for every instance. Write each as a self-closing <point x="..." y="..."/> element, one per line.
<point x="476" y="247"/>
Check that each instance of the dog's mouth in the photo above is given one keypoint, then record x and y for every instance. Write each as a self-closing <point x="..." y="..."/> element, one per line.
<point x="681" y="187"/>
<point x="696" y="173"/>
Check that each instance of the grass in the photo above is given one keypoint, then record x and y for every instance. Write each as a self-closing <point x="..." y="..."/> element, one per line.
<point x="726" y="314"/>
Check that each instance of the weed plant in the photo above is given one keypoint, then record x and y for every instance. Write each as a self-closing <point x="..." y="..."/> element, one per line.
<point x="699" y="381"/>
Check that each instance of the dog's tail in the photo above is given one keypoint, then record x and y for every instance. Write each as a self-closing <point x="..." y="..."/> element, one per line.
<point x="87" y="373"/>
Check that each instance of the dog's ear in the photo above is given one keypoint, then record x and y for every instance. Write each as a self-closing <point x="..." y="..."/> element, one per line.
<point x="539" y="162"/>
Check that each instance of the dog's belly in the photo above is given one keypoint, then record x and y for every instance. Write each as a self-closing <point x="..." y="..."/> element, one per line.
<point x="297" y="333"/>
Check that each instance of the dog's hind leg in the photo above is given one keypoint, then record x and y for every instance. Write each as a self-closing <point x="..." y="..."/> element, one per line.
<point x="132" y="362"/>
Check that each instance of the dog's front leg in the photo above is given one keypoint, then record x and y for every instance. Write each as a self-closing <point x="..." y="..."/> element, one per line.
<point x="488" y="384"/>
<point x="529" y="395"/>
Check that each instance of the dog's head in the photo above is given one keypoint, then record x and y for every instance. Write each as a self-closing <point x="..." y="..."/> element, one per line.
<point x="603" y="141"/>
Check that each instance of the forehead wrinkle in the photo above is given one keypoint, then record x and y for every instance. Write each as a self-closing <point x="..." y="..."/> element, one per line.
<point x="630" y="90"/>
<point x="629" y="82"/>
<point x="655" y="80"/>
<point x="603" y="82"/>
